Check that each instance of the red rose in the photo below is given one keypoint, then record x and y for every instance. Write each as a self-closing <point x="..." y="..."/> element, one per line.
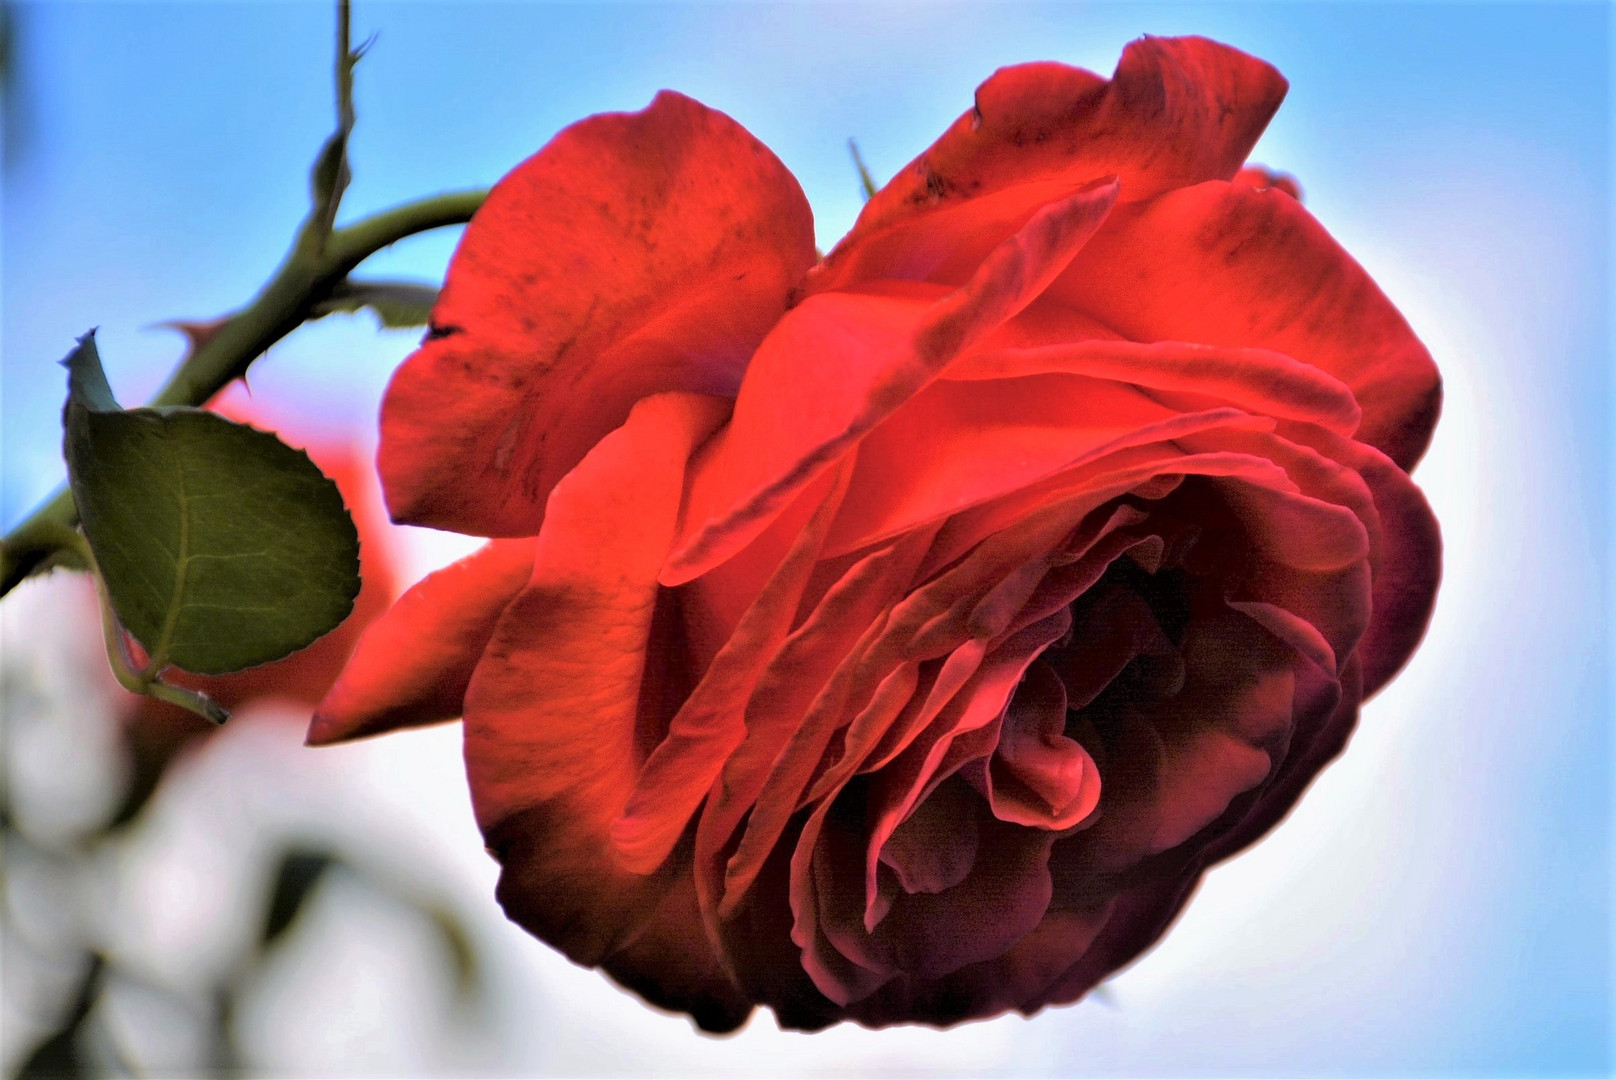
<point x="897" y="637"/>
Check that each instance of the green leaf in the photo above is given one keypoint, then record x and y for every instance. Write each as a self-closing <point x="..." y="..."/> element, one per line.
<point x="221" y="547"/>
<point x="86" y="380"/>
<point x="396" y="304"/>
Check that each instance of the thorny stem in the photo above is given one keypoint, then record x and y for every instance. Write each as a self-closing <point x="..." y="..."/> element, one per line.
<point x="299" y="286"/>
<point x="317" y="265"/>
<point x="866" y="181"/>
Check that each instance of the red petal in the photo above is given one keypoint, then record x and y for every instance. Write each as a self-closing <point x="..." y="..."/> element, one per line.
<point x="1262" y="382"/>
<point x="1038" y="777"/>
<point x="552" y="712"/>
<point x="977" y="704"/>
<point x="1178" y="111"/>
<point x="1259" y="177"/>
<point x="1410" y="563"/>
<point x="711" y="722"/>
<point x="1228" y="265"/>
<point x="412" y="665"/>
<point x="1087" y="487"/>
<point x="801" y="699"/>
<point x="671" y="965"/>
<point x="956" y="445"/>
<point x="634" y="254"/>
<point x="855" y="358"/>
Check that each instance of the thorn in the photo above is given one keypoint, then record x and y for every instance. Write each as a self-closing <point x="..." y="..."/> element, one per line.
<point x="864" y="173"/>
<point x="198" y="334"/>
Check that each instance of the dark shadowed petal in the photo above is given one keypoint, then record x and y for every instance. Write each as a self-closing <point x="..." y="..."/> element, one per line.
<point x="1410" y="563"/>
<point x="412" y="665"/>
<point x="1013" y="980"/>
<point x="841" y="977"/>
<point x="1139" y="914"/>
<point x="939" y="749"/>
<point x="671" y="965"/>
<point x="925" y="934"/>
<point x="934" y="848"/>
<point x="636" y="253"/>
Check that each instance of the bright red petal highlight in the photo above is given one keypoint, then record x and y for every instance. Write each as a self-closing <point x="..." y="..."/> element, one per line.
<point x="839" y="364"/>
<point x="412" y="665"/>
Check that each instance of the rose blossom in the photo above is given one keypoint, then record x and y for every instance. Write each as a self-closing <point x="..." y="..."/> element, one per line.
<point x="897" y="636"/>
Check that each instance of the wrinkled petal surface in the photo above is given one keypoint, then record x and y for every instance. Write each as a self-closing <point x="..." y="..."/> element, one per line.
<point x="1178" y="111"/>
<point x="636" y="253"/>
<point x="1231" y="265"/>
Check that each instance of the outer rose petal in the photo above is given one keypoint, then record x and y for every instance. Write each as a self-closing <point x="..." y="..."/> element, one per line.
<point x="1258" y="177"/>
<point x="1227" y="264"/>
<point x="1178" y="111"/>
<point x="554" y="738"/>
<point x="1411" y="562"/>
<point x="670" y="962"/>
<point x="412" y="666"/>
<point x="634" y="254"/>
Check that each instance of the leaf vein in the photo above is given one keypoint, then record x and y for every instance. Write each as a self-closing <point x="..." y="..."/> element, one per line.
<point x="182" y="566"/>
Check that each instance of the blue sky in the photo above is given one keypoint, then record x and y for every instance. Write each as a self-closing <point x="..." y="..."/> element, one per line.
<point x="1441" y="904"/>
